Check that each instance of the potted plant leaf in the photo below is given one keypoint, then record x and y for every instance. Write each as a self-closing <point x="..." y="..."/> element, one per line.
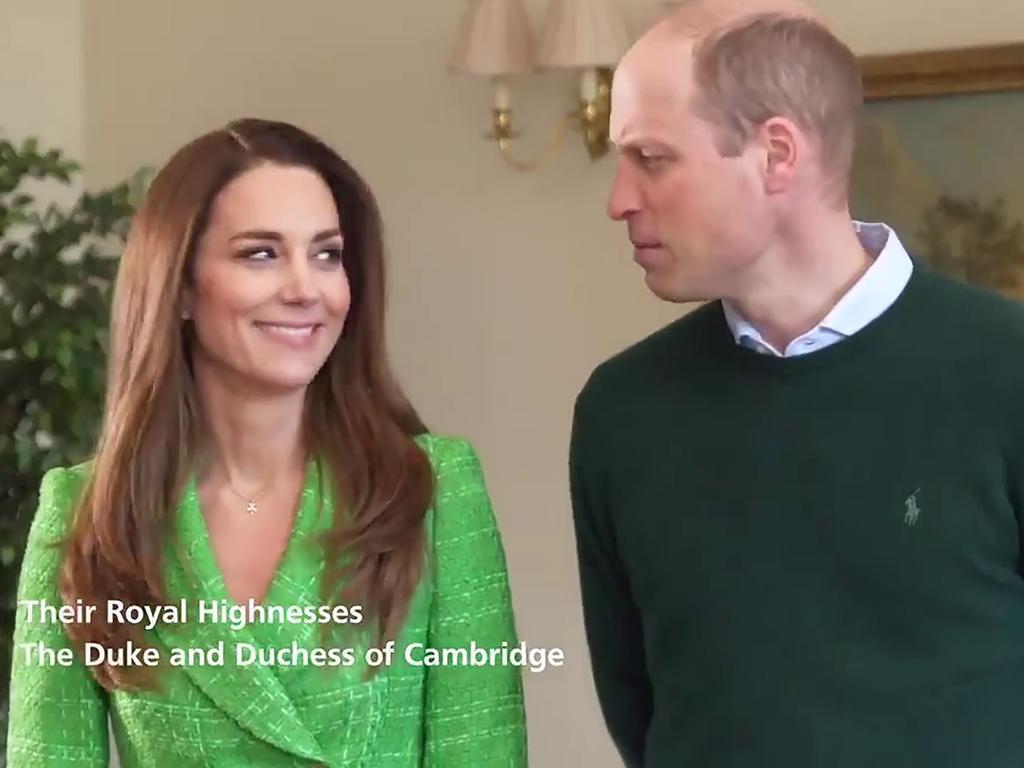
<point x="57" y="264"/>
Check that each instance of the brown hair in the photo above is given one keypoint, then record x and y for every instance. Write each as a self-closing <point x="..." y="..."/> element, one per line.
<point x="778" y="65"/>
<point x="356" y="418"/>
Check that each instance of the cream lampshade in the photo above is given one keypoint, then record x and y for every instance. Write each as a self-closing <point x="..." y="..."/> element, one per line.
<point x="583" y="33"/>
<point x="494" y="40"/>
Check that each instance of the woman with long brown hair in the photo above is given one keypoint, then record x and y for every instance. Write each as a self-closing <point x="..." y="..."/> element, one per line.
<point x="268" y="547"/>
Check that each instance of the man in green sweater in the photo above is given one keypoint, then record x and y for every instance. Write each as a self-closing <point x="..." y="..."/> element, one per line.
<point x="798" y="509"/>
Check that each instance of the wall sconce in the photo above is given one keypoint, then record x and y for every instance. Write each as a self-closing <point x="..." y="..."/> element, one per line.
<point x="495" y="40"/>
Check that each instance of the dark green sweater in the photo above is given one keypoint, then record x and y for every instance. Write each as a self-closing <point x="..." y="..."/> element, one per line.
<point x="810" y="562"/>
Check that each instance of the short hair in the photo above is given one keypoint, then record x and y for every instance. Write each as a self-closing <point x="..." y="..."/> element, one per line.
<point x="774" y="65"/>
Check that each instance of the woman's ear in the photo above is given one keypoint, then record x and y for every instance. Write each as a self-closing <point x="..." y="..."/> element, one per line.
<point x="187" y="302"/>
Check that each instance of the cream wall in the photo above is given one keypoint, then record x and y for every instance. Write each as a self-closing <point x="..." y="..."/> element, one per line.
<point x="506" y="288"/>
<point x="42" y="88"/>
<point x="891" y="26"/>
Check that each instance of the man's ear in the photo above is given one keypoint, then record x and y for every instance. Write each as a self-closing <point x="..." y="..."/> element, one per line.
<point x="783" y="145"/>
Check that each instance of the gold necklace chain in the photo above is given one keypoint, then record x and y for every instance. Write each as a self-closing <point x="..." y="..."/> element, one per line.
<point x="250" y="501"/>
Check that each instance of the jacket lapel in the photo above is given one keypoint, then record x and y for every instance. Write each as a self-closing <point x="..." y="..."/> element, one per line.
<point x="250" y="694"/>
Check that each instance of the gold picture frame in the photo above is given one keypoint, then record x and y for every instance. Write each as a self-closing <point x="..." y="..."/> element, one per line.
<point x="982" y="69"/>
<point x="939" y="158"/>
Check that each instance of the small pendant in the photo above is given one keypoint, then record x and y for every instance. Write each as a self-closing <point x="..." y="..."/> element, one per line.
<point x="251" y="507"/>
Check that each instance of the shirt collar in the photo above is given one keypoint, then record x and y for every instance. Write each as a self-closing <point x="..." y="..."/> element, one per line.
<point x="869" y="297"/>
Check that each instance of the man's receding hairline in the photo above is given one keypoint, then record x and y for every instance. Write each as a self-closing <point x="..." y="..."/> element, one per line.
<point x="675" y="34"/>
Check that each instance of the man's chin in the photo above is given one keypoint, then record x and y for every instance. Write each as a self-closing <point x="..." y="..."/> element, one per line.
<point x="672" y="291"/>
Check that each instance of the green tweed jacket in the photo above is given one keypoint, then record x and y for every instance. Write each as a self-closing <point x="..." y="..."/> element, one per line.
<point x="239" y="714"/>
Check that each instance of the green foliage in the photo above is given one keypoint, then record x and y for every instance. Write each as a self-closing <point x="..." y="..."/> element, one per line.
<point x="57" y="266"/>
<point x="974" y="242"/>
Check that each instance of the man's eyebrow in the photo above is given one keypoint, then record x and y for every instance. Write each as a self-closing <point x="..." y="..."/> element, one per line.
<point x="636" y="143"/>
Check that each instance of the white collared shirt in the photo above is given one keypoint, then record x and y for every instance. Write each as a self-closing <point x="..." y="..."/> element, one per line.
<point x="875" y="291"/>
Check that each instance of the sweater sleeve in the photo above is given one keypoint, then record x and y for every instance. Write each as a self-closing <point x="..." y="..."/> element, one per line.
<point x="1015" y="466"/>
<point x="58" y="714"/>
<point x="474" y="714"/>
<point x="611" y="618"/>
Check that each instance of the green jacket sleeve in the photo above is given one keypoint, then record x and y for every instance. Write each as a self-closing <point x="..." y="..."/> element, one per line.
<point x="611" y="618"/>
<point x="474" y="714"/>
<point x="58" y="714"/>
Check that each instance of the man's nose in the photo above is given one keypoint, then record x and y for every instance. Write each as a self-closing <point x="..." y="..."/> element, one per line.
<point x="623" y="201"/>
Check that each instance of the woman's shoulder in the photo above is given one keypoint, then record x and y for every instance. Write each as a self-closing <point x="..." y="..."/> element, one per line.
<point x="59" y="490"/>
<point x="455" y="462"/>
<point x="65" y="483"/>
<point x="446" y="450"/>
<point x="460" y="490"/>
<point x="463" y="528"/>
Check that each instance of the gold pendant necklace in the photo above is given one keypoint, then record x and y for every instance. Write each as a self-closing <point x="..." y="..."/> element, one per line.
<point x="250" y="501"/>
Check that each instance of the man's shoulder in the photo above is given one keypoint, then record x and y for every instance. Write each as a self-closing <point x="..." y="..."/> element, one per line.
<point x="974" y="336"/>
<point x="669" y="348"/>
<point x="976" y="314"/>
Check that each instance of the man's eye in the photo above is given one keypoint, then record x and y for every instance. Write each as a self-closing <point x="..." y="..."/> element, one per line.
<point x="647" y="157"/>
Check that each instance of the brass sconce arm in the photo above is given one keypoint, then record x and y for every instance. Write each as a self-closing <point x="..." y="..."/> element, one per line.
<point x="587" y="37"/>
<point x="591" y="118"/>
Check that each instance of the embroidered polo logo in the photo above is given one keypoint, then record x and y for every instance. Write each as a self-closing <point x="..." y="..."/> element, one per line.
<point x="913" y="511"/>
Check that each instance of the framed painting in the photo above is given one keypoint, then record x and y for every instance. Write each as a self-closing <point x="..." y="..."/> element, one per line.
<point x="940" y="157"/>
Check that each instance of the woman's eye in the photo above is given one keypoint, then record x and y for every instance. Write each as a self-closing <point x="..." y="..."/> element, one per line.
<point x="329" y="255"/>
<point x="259" y="254"/>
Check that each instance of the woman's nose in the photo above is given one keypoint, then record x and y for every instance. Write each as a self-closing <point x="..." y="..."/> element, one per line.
<point x="299" y="283"/>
